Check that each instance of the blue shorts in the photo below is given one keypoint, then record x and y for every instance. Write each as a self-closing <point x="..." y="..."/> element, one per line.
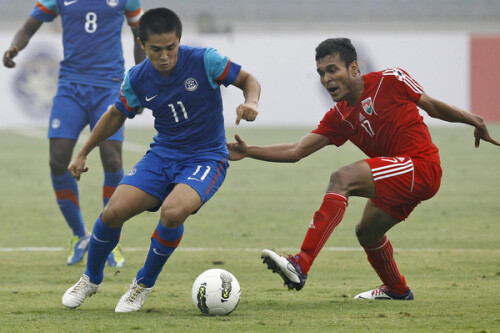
<point x="157" y="173"/>
<point x="78" y="105"/>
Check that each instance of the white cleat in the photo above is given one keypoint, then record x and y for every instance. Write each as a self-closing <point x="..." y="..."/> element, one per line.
<point x="74" y="296"/>
<point x="383" y="293"/>
<point x="287" y="268"/>
<point x="134" y="298"/>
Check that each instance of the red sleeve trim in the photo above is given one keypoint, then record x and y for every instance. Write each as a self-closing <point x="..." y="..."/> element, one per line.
<point x="224" y="74"/>
<point x="45" y="9"/>
<point x="134" y="13"/>
<point x="129" y="109"/>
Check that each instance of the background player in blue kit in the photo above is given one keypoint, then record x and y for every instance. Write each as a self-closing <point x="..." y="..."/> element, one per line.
<point x="187" y="161"/>
<point x="89" y="78"/>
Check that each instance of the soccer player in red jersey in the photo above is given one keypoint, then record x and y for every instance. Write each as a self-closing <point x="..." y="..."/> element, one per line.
<point x="378" y="113"/>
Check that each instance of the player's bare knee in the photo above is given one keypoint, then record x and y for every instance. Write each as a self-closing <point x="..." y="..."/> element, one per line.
<point x="365" y="235"/>
<point x="173" y="217"/>
<point x="368" y="236"/>
<point x="339" y="182"/>
<point x="58" y="167"/>
<point x="112" y="164"/>
<point x="111" y="217"/>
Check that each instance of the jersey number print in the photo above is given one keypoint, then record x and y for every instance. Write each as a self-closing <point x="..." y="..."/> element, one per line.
<point x="91" y="22"/>
<point x="174" y="112"/>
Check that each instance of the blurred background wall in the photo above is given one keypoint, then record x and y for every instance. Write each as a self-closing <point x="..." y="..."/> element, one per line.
<point x="452" y="47"/>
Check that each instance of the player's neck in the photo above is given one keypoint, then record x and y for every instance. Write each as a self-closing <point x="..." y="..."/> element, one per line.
<point x="357" y="90"/>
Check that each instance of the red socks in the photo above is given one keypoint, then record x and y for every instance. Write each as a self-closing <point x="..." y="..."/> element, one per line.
<point x="324" y="221"/>
<point x="381" y="257"/>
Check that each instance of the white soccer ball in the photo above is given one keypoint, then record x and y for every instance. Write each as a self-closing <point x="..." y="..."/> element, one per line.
<point x="216" y="292"/>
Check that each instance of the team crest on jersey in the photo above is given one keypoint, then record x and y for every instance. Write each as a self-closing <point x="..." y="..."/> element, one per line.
<point x="191" y="84"/>
<point x="112" y="3"/>
<point x="399" y="74"/>
<point x="367" y="105"/>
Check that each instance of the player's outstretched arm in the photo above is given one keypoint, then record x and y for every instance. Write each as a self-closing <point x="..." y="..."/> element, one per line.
<point x="284" y="152"/>
<point x="251" y="90"/>
<point x="20" y="41"/>
<point x="110" y="122"/>
<point x="139" y="53"/>
<point x="446" y="112"/>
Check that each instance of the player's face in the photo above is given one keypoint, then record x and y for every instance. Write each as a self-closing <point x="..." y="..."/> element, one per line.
<point x="162" y="50"/>
<point x="338" y="80"/>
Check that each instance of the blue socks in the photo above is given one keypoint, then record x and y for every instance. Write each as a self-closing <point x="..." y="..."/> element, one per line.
<point x="111" y="181"/>
<point x="163" y="243"/>
<point x="66" y="189"/>
<point x="102" y="242"/>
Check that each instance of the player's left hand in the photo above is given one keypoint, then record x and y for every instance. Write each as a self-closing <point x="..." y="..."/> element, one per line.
<point x="481" y="133"/>
<point x="247" y="111"/>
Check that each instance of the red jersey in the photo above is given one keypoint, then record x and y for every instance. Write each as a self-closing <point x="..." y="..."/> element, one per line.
<point x="385" y="120"/>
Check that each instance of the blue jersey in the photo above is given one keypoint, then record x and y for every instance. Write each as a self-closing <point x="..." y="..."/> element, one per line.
<point x="187" y="105"/>
<point x="91" y="37"/>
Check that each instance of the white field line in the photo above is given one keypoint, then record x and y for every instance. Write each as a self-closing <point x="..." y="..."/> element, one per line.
<point x="222" y="249"/>
<point x="38" y="133"/>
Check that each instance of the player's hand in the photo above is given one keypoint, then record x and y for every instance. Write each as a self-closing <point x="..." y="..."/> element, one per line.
<point x="247" y="111"/>
<point x="238" y="149"/>
<point x="77" y="167"/>
<point x="481" y="133"/>
<point x="8" y="57"/>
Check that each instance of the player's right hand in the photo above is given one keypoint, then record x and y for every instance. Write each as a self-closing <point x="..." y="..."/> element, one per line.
<point x="8" y="57"/>
<point x="238" y="149"/>
<point x="481" y="133"/>
<point x="77" y="167"/>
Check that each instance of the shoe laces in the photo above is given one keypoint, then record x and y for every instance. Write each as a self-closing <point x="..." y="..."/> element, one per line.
<point x="379" y="290"/>
<point x="79" y="286"/>
<point x="294" y="260"/>
<point x="134" y="292"/>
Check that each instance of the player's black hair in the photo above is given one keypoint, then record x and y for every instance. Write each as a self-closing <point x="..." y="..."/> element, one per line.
<point x="341" y="46"/>
<point x="158" y="21"/>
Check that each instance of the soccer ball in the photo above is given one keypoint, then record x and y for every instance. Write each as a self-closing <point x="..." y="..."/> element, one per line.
<point x="216" y="292"/>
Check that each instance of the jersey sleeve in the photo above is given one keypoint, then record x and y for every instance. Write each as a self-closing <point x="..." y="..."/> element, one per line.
<point x="330" y="128"/>
<point x="45" y="10"/>
<point x="406" y="86"/>
<point x="220" y="70"/>
<point x="127" y="102"/>
<point x="133" y="12"/>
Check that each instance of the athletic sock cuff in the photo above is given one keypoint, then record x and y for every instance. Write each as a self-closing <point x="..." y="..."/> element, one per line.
<point x="336" y="196"/>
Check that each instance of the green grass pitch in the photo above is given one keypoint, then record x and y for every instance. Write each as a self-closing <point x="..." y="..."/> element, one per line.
<point x="448" y="249"/>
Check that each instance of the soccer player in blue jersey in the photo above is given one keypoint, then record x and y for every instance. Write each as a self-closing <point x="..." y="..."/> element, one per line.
<point x="187" y="161"/>
<point x="89" y="78"/>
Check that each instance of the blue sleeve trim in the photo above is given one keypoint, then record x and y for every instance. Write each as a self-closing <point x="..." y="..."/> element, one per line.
<point x="232" y="74"/>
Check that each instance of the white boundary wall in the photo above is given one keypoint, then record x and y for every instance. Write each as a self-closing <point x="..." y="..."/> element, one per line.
<point x="283" y="63"/>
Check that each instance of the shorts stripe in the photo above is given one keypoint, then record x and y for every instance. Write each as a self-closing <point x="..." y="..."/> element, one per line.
<point x="391" y="166"/>
<point x="392" y="170"/>
<point x="216" y="176"/>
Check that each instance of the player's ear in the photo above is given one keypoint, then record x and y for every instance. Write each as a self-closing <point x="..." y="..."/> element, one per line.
<point x="354" y="68"/>
<point x="141" y="44"/>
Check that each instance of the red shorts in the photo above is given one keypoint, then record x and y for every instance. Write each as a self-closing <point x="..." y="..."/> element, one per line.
<point x="401" y="183"/>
